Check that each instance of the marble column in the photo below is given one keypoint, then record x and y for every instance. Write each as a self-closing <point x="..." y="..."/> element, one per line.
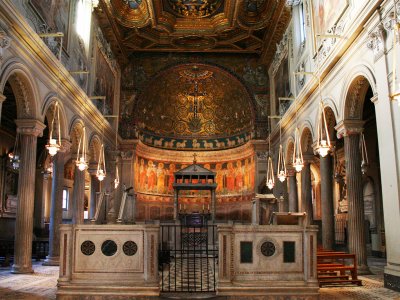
<point x="293" y="199"/>
<point x="94" y="189"/>
<point x="355" y="225"/>
<point x="78" y="196"/>
<point x="328" y="227"/>
<point x="56" y="210"/>
<point x="306" y="190"/>
<point x="29" y="131"/>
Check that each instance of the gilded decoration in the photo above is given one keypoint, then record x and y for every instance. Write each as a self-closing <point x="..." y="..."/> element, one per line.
<point x="246" y="26"/>
<point x="198" y="102"/>
<point x="194" y="8"/>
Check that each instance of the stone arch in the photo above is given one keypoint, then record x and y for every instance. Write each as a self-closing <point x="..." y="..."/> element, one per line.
<point x="48" y="109"/>
<point x="331" y="117"/>
<point x="289" y="152"/>
<point x="94" y="148"/>
<point x="24" y="88"/>
<point x="355" y="90"/>
<point x="75" y="133"/>
<point x="306" y="139"/>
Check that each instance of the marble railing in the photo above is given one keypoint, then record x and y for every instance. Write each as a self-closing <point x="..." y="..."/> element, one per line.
<point x="273" y="260"/>
<point x="118" y="260"/>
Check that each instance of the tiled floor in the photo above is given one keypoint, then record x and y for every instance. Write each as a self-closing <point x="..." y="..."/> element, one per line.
<point x="42" y="285"/>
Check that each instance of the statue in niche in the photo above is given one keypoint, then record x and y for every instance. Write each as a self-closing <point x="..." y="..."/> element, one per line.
<point x="160" y="178"/>
<point x="219" y="178"/>
<point x="151" y="176"/>
<point x="230" y="177"/>
<point x="171" y="172"/>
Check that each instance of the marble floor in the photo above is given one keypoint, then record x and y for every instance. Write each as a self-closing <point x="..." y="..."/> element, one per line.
<point x="41" y="285"/>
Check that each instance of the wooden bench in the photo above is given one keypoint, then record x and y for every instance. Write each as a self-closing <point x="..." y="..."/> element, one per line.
<point x="332" y="268"/>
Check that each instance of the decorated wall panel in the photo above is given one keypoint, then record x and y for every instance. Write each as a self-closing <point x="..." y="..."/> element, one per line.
<point x="154" y="177"/>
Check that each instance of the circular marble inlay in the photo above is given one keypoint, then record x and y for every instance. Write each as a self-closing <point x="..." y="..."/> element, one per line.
<point x="130" y="248"/>
<point x="88" y="248"/>
<point x="268" y="248"/>
<point x="109" y="248"/>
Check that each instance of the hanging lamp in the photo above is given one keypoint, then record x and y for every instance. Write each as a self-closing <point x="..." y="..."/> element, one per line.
<point x="81" y="160"/>
<point x="323" y="140"/>
<point x="364" y="154"/>
<point x="54" y="144"/>
<point x="101" y="165"/>
<point x="298" y="161"/>
<point x="281" y="171"/>
<point x="14" y="155"/>
<point x="270" y="181"/>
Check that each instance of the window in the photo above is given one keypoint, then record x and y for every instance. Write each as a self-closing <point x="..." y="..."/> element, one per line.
<point x="302" y="24"/>
<point x="83" y="21"/>
<point x="65" y="198"/>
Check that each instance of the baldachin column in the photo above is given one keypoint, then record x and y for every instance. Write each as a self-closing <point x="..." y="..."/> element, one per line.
<point x="29" y="131"/>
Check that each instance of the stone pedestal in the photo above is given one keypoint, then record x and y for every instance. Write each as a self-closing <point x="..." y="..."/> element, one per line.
<point x="53" y="259"/>
<point x="306" y="196"/>
<point x="292" y="182"/>
<point x="328" y="228"/>
<point x="29" y="130"/>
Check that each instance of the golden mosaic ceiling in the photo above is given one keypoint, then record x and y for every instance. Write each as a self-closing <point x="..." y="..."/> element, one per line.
<point x="194" y="101"/>
<point x="237" y="26"/>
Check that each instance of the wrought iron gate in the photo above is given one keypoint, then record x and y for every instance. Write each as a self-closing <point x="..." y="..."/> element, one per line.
<point x="188" y="258"/>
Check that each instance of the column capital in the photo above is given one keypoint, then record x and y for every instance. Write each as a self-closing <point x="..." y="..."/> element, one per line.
<point x="30" y="127"/>
<point x="349" y="127"/>
<point x="308" y="158"/>
<point x="127" y="155"/>
<point x="290" y="171"/>
<point x="65" y="145"/>
<point x="5" y="42"/>
<point x="376" y="41"/>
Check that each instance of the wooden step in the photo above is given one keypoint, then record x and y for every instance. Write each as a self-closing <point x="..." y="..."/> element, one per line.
<point x="340" y="277"/>
<point x="340" y="282"/>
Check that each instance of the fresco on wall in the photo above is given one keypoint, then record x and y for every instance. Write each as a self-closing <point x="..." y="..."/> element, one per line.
<point x="105" y="83"/>
<point x="156" y="177"/>
<point x="55" y="13"/>
<point x="326" y="13"/>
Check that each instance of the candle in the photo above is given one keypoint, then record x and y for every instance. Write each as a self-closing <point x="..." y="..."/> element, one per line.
<point x="203" y="206"/>
<point x="180" y="206"/>
<point x="208" y="207"/>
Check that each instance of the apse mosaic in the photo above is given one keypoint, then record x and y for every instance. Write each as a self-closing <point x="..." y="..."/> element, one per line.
<point x="232" y="177"/>
<point x="194" y="101"/>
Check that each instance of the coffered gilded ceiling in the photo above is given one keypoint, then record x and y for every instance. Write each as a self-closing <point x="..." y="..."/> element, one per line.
<point x="238" y="26"/>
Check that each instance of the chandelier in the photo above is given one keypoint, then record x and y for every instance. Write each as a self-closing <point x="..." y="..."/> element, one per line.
<point x="281" y="171"/>
<point x="298" y="161"/>
<point x="81" y="161"/>
<point x="101" y="165"/>
<point x="270" y="168"/>
<point x="323" y="141"/>
<point x="54" y="144"/>
<point x="14" y="155"/>
<point x="364" y="154"/>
